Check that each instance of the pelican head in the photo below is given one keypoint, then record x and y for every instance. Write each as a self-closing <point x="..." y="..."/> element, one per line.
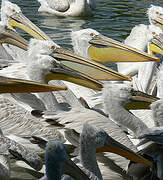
<point x="80" y="41"/>
<point x="154" y="150"/>
<point x="57" y="162"/>
<point x="103" y="49"/>
<point x="104" y="143"/>
<point x="155" y="15"/>
<point x="57" y="63"/>
<point x="156" y="45"/>
<point x="7" y="35"/>
<point x="43" y="67"/>
<point x="13" y="17"/>
<point x="123" y="94"/>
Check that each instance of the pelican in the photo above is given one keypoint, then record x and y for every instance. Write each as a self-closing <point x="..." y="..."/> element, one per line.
<point x="152" y="141"/>
<point x="68" y="7"/>
<point x="42" y="68"/>
<point x="4" y="162"/>
<point x="9" y="146"/>
<point x="41" y="65"/>
<point x="155" y="15"/>
<point x="94" y="139"/>
<point x="57" y="162"/>
<point x="91" y="44"/>
<point x="142" y="34"/>
<point x="74" y="119"/>
<point x="12" y="16"/>
<point x="9" y="36"/>
<point x="138" y="38"/>
<point x="152" y="151"/>
<point x="115" y="97"/>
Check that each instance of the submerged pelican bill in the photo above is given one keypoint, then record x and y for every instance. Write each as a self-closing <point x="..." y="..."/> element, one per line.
<point x="104" y="50"/>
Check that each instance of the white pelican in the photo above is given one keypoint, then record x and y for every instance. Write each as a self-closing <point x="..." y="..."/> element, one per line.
<point x="41" y="65"/>
<point x="9" y="36"/>
<point x="12" y="16"/>
<point x="4" y="161"/>
<point x="21" y="152"/>
<point x="58" y="163"/>
<point x="68" y="7"/>
<point x="101" y="49"/>
<point x="94" y="139"/>
<point x="153" y="148"/>
<point x="115" y="97"/>
<point x="155" y="15"/>
<point x="74" y="120"/>
<point x="142" y="34"/>
<point x="138" y="38"/>
<point x="91" y="44"/>
<point x="153" y="152"/>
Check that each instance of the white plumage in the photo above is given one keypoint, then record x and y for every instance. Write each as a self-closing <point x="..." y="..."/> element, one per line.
<point x="68" y="7"/>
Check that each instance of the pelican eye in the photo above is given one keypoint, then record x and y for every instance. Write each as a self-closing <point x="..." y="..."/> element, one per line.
<point x="5" y="27"/>
<point x="157" y="13"/>
<point x="53" y="48"/>
<point x="13" y="10"/>
<point x="92" y="34"/>
<point x="153" y="33"/>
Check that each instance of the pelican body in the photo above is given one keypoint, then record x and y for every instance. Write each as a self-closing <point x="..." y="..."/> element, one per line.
<point x="68" y="7"/>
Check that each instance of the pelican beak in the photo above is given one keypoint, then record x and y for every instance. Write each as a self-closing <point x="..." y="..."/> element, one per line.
<point x="70" y="168"/>
<point x="75" y="77"/>
<point x="18" y="20"/>
<point x="158" y="21"/>
<point x="157" y="45"/>
<point x="11" y="85"/>
<point x="115" y="147"/>
<point x="11" y="37"/>
<point x="86" y="67"/>
<point x="66" y="58"/>
<point x="104" y="50"/>
<point x="69" y="59"/>
<point x="140" y="100"/>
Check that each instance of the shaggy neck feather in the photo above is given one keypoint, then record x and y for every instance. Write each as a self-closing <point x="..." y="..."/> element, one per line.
<point x="122" y="116"/>
<point x="88" y="156"/>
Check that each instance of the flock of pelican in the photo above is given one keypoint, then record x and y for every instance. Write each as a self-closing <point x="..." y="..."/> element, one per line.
<point x="99" y="123"/>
